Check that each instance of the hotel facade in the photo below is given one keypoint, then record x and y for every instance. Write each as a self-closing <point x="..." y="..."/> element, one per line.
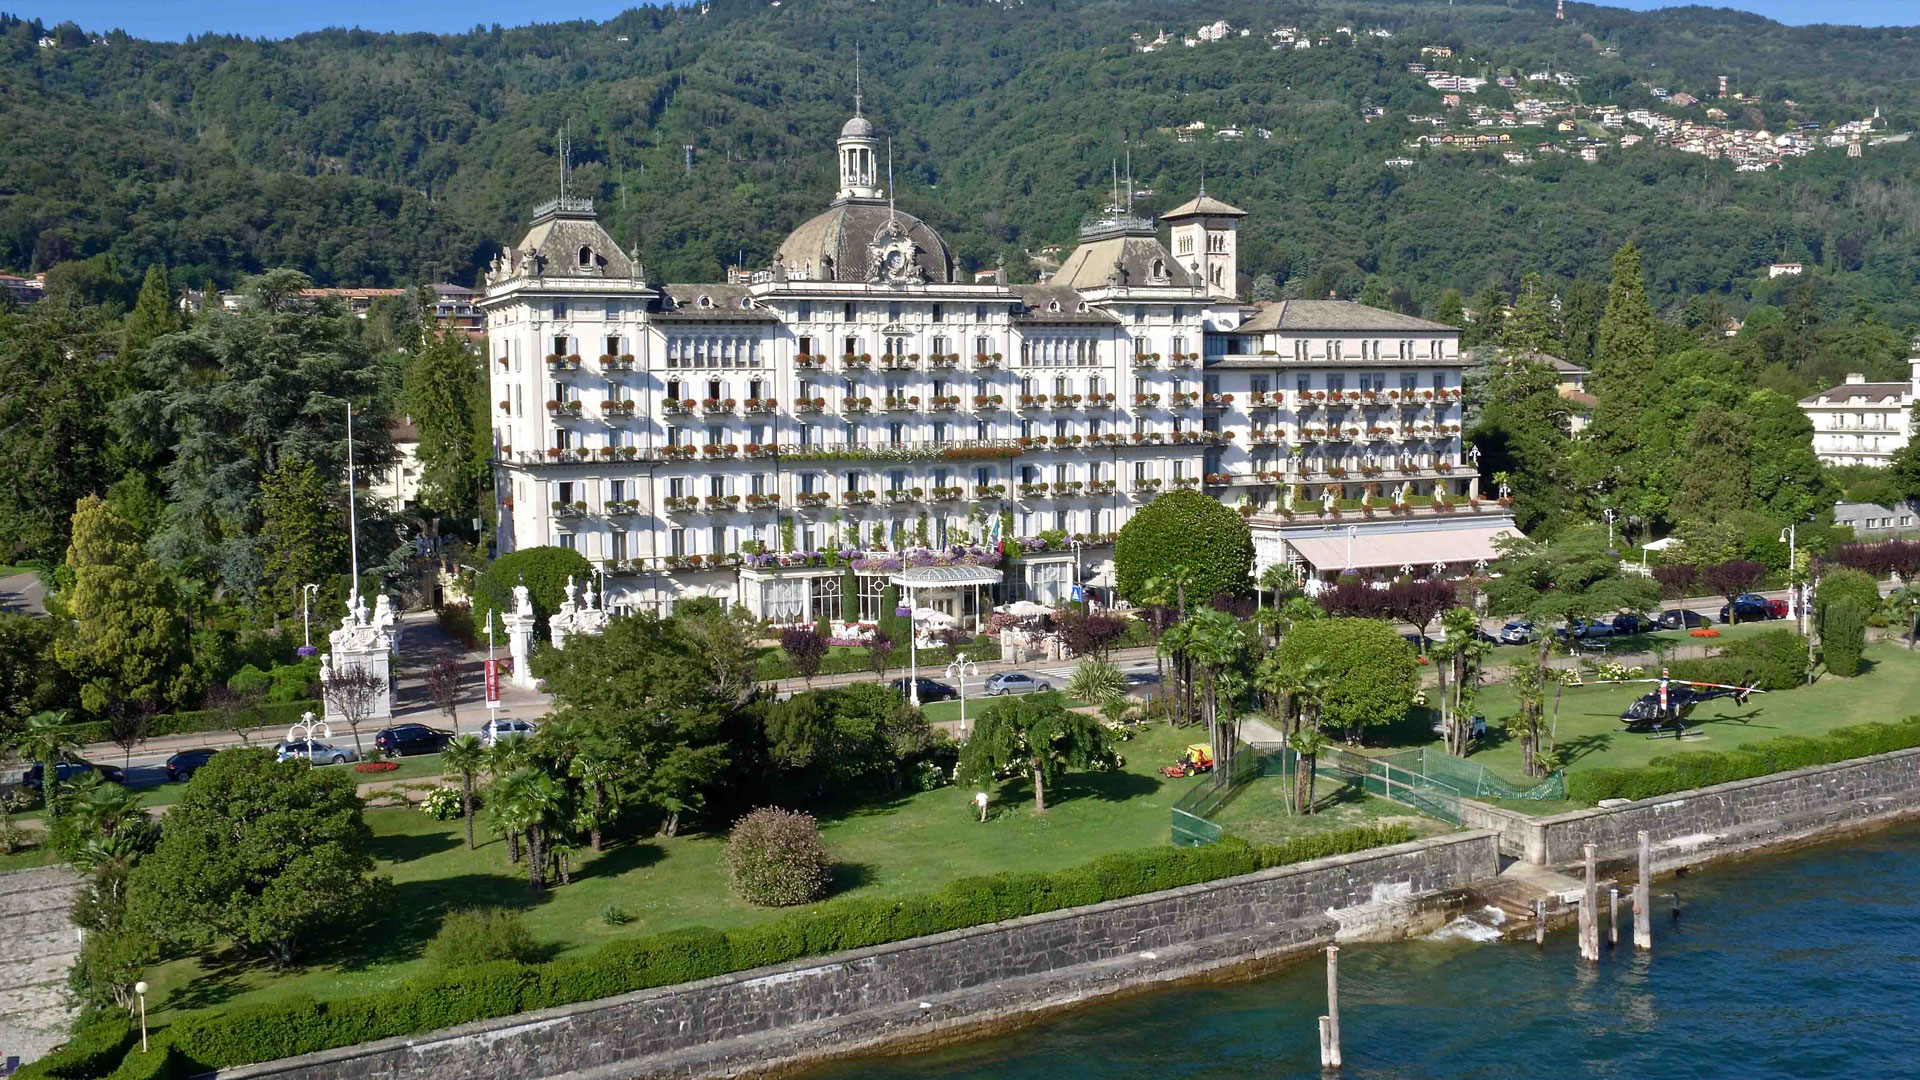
<point x="861" y="403"/>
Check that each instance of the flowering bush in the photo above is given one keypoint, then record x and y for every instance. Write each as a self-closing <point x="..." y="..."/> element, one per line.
<point x="376" y="766"/>
<point x="1706" y="632"/>
<point x="443" y="803"/>
<point x="775" y="858"/>
<point x="927" y="776"/>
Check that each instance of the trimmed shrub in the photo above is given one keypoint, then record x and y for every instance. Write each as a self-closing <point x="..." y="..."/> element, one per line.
<point x="1704" y="768"/>
<point x="92" y="1052"/>
<point x="1188" y="530"/>
<point x="481" y="935"/>
<point x="1775" y="660"/>
<point x="1843" y="636"/>
<point x="775" y="858"/>
<point x="1841" y="584"/>
<point x="501" y="988"/>
<point x="199" y="721"/>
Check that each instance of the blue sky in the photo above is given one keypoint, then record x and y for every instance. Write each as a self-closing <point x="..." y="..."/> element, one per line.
<point x="177" y="18"/>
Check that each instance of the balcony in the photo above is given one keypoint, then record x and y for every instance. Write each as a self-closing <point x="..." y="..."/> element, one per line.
<point x="682" y="503"/>
<point x="760" y="451"/>
<point x="1186" y="483"/>
<point x="986" y="360"/>
<point x="717" y="503"/>
<point x="904" y="403"/>
<point x="682" y="407"/>
<point x="622" y="507"/>
<point x="1219" y="401"/>
<point x="984" y="492"/>
<point x="622" y="362"/>
<point x="1267" y="437"/>
<point x="851" y="406"/>
<point x="1267" y="399"/>
<point x="855" y="361"/>
<point x="718" y="451"/>
<point x="895" y="362"/>
<point x="564" y="410"/>
<point x="810" y="405"/>
<point x="946" y="494"/>
<point x="936" y="403"/>
<point x="810" y="361"/>
<point x="763" y="502"/>
<point x="718" y="406"/>
<point x="557" y="363"/>
<point x="572" y="456"/>
<point x="1183" y="401"/>
<point x="988" y="402"/>
<point x="858" y="498"/>
<point x="944" y="360"/>
<point x="806" y="499"/>
<point x="762" y="406"/>
<point x="1146" y="401"/>
<point x="1146" y="487"/>
<point x="1183" y="360"/>
<point x="1145" y="360"/>
<point x="901" y="496"/>
<point x="568" y="509"/>
<point x="617" y="410"/>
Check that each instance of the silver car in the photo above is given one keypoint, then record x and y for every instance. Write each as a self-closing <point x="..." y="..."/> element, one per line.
<point x="1014" y="682"/>
<point x="315" y="751"/>
<point x="505" y="728"/>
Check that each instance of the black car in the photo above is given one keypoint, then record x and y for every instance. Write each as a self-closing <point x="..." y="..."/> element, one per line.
<point x="184" y="764"/>
<point x="1751" y="609"/>
<point x="67" y="770"/>
<point x="403" y="739"/>
<point x="930" y="690"/>
<point x="1632" y="624"/>
<point x="1680" y="619"/>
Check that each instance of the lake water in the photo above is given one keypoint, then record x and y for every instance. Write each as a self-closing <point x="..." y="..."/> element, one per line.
<point x="1800" y="965"/>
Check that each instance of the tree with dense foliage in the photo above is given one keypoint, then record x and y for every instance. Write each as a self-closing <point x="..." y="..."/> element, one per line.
<point x="444" y="393"/>
<point x="265" y="854"/>
<point x="154" y="314"/>
<point x="1525" y="438"/>
<point x="1575" y="576"/>
<point x="1369" y="671"/>
<point x="1187" y="531"/>
<point x="302" y="537"/>
<point x="1527" y="681"/>
<point x="31" y="680"/>
<point x="1462" y="653"/>
<point x="833" y="738"/>
<point x="1843" y="636"/>
<point x="56" y="436"/>
<point x="543" y="570"/>
<point x="1676" y="579"/>
<point x="1090" y="633"/>
<point x="1730" y="579"/>
<point x="651" y="691"/>
<point x="1531" y="330"/>
<point x="805" y="649"/>
<point x="1844" y="583"/>
<point x="1097" y="681"/>
<point x="1035" y="734"/>
<point x="128" y="644"/>
<point x="775" y="858"/>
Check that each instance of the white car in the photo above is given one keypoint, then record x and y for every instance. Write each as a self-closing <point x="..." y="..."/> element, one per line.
<point x="503" y="728"/>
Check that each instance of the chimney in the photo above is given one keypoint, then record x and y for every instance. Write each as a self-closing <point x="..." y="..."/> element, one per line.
<point x="1855" y="377"/>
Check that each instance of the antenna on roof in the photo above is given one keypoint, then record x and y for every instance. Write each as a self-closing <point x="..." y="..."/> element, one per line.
<point x="890" y="214"/>
<point x="566" y="158"/>
<point x="1113" y="193"/>
<point x="1129" y="179"/>
<point x="856" y="78"/>
<point x="1203" y="180"/>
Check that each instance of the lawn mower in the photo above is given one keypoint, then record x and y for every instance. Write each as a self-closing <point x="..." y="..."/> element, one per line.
<point x="1198" y="758"/>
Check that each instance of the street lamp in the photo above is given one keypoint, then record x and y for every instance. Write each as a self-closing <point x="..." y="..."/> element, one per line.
<point x="307" y="593"/>
<point x="1788" y="536"/>
<point x="959" y="671"/>
<point x="1352" y="531"/>
<point x="1609" y="515"/>
<point x="140" y="990"/>
<point x="913" y="652"/>
<point x="1074" y="544"/>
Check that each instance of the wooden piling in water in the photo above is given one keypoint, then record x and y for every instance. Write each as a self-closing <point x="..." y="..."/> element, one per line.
<point x="1613" y="915"/>
<point x="1590" y="911"/>
<point x="1539" y="920"/>
<point x="1643" y="897"/>
<point x="1330" y="1023"/>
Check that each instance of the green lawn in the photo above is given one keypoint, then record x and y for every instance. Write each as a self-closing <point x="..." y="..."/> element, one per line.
<point x="1588" y="730"/>
<point x="29" y="857"/>
<point x="977" y="707"/>
<point x="1258" y="812"/>
<point x="886" y="847"/>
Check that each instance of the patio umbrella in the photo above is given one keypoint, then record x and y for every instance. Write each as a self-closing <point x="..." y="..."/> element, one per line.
<point x="932" y="617"/>
<point x="1026" y="609"/>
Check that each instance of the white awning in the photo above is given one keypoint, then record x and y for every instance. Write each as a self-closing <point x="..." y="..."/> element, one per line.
<point x="940" y="577"/>
<point x="1401" y="547"/>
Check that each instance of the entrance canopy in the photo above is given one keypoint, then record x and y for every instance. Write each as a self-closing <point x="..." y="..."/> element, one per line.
<point x="1399" y="547"/>
<point x="945" y="577"/>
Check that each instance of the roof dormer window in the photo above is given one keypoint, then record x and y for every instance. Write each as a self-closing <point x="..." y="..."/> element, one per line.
<point x="586" y="257"/>
<point x="1082" y="307"/>
<point x="704" y="301"/>
<point x="1053" y="305"/>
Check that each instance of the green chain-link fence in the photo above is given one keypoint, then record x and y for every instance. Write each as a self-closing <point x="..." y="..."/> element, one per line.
<point x="1429" y="767"/>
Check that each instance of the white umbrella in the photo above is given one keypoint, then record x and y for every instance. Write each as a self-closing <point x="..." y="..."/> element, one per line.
<point x="932" y="617"/>
<point x="1026" y="609"/>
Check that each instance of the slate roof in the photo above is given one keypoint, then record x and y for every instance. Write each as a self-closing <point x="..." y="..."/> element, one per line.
<point x="1037" y="299"/>
<point x="1121" y="260"/>
<point x="844" y="235"/>
<point x="683" y="303"/>
<point x="1334" y="315"/>
<point x="556" y="239"/>
<point x="1203" y="206"/>
<point x="1882" y="392"/>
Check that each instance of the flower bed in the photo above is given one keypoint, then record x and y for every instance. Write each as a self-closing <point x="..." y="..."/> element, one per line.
<point x="376" y="766"/>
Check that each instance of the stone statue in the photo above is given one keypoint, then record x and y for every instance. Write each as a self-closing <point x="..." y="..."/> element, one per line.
<point x="522" y="601"/>
<point x="569" y="601"/>
<point x="1326" y="499"/>
<point x="592" y="600"/>
<point x="360" y="609"/>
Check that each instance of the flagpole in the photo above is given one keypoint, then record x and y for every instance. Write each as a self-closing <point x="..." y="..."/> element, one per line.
<point x="353" y="523"/>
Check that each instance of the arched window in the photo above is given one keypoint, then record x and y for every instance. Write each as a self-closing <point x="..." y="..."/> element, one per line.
<point x="586" y="256"/>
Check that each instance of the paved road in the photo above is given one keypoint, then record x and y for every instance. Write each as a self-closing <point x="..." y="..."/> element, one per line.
<point x="23" y="594"/>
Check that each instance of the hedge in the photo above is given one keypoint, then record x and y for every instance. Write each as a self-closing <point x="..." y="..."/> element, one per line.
<point x="198" y="721"/>
<point x="92" y="1052"/>
<point x="773" y="664"/>
<point x="1684" y="772"/>
<point x="438" y="1000"/>
<point x="1775" y="660"/>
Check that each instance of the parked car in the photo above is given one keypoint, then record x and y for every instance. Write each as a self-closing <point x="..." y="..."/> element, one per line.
<point x="403" y="739"/>
<point x="1751" y="608"/>
<point x="1421" y="643"/>
<point x="315" y="751"/>
<point x="930" y="689"/>
<point x="1584" y="630"/>
<point x="1479" y="726"/>
<point x="1681" y="619"/>
<point x="1632" y="624"/>
<point x="1014" y="682"/>
<point x="65" y="771"/>
<point x="504" y="728"/>
<point x="1518" y="632"/>
<point x="184" y="764"/>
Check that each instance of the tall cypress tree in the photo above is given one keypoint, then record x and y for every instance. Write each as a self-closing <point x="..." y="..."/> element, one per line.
<point x="128" y="645"/>
<point x="1624" y="349"/>
<point x="443" y="382"/>
<point x="153" y="313"/>
<point x="1451" y="309"/>
<point x="301" y="529"/>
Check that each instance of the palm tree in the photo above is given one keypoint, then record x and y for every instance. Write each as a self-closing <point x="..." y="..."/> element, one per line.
<point x="1217" y="642"/>
<point x="46" y="739"/>
<point x="1097" y="681"/>
<point x="99" y="808"/>
<point x="503" y="760"/>
<point x="599" y="776"/>
<point x="1177" y="642"/>
<point x="465" y="758"/>
<point x="1309" y="743"/>
<point x="532" y="804"/>
<point x="1462" y="653"/>
<point x="1904" y="604"/>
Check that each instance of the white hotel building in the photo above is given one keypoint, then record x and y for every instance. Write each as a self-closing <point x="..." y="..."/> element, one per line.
<point x="860" y="397"/>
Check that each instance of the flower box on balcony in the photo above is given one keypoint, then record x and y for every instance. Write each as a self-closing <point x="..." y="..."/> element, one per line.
<point x="682" y="502"/>
<point x="986" y="359"/>
<point x="672" y="407"/>
<point x="1028" y="491"/>
<point x="987" y="401"/>
<point x="944" y="404"/>
<point x="718" y="405"/>
<point x="989" y="491"/>
<point x="857" y="498"/>
<point x="944" y="359"/>
<point x="810" y="405"/>
<point x="894" y="363"/>
<point x="856" y="405"/>
<point x="760" y="450"/>
<point x="902" y="404"/>
<point x="683" y="451"/>
<point x="1186" y="482"/>
<point x="1219" y="400"/>
<point x="722" y="502"/>
<point x="719" y="450"/>
<point x="946" y="494"/>
<point x="810" y="360"/>
<point x="762" y="405"/>
<point x="1146" y="399"/>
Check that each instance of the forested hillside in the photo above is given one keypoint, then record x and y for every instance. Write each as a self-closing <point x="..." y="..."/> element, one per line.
<point x="370" y="159"/>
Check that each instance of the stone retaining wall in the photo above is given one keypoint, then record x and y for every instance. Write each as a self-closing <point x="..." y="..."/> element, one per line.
<point x="748" y="1022"/>
<point x="1724" y="815"/>
<point x="40" y="944"/>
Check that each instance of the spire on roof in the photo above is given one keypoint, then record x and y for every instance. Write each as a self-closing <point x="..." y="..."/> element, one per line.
<point x="856" y="78"/>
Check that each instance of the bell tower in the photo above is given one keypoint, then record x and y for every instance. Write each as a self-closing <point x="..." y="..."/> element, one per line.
<point x="859" y="151"/>
<point x="1206" y="242"/>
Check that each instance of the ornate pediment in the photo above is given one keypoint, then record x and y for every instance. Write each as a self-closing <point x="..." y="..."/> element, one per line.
<point x="892" y="257"/>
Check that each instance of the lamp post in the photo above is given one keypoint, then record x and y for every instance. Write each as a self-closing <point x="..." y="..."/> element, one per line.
<point x="303" y="731"/>
<point x="1074" y="545"/>
<point x="307" y="593"/>
<point x="1352" y="531"/>
<point x="913" y="652"/>
<point x="140" y="991"/>
<point x="1788" y="536"/>
<point x="959" y="670"/>
<point x="1609" y="515"/>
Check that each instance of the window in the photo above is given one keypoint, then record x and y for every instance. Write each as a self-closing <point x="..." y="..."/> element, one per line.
<point x="937" y="318"/>
<point x="1300" y="383"/>
<point x="1259" y="384"/>
<point x="613" y="346"/>
<point x="560" y="345"/>
<point x="568" y="540"/>
<point x="617" y="491"/>
<point x="893" y="311"/>
<point x="1336" y="382"/>
<point x="982" y="347"/>
<point x="846" y="312"/>
<point x="805" y="313"/>
<point x="1408" y="380"/>
<point x="676" y="541"/>
<point x="586" y="256"/>
<point x="559" y="309"/>
<point x="617" y="545"/>
<point x="1439" y="380"/>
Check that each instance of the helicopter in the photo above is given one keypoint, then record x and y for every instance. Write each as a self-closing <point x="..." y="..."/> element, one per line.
<point x="1665" y="709"/>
